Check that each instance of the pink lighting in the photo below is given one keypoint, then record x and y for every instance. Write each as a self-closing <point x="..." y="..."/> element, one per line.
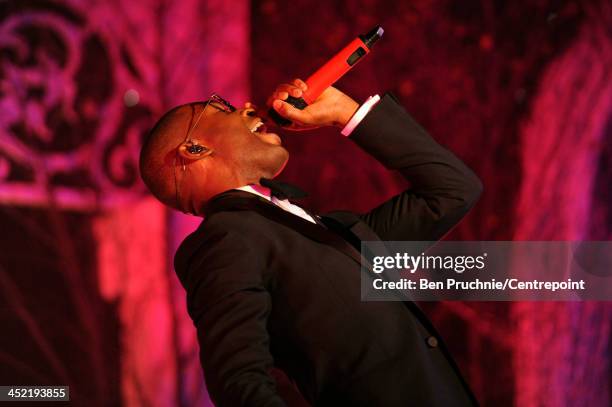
<point x="520" y="91"/>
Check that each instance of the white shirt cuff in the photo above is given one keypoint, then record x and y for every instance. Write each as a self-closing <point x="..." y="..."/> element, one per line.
<point x="359" y="115"/>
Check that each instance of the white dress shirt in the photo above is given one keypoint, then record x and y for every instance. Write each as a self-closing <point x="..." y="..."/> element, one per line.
<point x="264" y="192"/>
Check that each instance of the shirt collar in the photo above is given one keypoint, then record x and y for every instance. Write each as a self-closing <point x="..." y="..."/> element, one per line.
<point x="257" y="190"/>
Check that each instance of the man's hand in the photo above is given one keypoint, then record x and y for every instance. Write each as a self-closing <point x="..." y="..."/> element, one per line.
<point x="332" y="107"/>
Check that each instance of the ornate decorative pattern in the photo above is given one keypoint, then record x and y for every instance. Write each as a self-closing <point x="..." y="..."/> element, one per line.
<point x="71" y="122"/>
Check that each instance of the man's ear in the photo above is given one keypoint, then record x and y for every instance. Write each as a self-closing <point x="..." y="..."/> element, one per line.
<point x="192" y="151"/>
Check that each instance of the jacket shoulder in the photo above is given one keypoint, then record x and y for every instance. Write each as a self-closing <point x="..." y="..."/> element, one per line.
<point x="227" y="228"/>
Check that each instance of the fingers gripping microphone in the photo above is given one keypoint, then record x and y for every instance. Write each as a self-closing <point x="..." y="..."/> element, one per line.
<point x="333" y="70"/>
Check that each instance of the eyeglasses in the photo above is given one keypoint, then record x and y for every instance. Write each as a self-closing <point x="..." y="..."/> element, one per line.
<point x="218" y="103"/>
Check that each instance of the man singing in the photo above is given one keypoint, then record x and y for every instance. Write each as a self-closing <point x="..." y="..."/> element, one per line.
<point x="272" y="287"/>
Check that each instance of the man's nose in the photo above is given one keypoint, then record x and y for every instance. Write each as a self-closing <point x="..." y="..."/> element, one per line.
<point x="252" y="110"/>
<point x="248" y="110"/>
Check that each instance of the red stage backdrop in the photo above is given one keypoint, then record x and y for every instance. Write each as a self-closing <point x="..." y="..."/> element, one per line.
<point x="521" y="91"/>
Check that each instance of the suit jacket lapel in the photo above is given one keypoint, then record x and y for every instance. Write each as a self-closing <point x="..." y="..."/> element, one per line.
<point x="241" y="200"/>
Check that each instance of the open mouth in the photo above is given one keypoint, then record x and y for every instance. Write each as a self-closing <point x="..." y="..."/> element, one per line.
<point x="261" y="130"/>
<point x="259" y="127"/>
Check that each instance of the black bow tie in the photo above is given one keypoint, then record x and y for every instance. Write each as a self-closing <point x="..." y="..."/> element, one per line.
<point x="282" y="190"/>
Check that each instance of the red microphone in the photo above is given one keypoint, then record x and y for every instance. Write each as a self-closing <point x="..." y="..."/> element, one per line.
<point x="333" y="70"/>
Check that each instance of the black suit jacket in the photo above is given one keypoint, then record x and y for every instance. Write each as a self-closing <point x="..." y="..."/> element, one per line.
<point x="266" y="288"/>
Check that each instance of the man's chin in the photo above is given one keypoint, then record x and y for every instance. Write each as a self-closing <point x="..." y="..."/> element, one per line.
<point x="270" y="162"/>
<point x="270" y="138"/>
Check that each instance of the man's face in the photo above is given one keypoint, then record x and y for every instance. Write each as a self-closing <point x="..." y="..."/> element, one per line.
<point x="240" y="143"/>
